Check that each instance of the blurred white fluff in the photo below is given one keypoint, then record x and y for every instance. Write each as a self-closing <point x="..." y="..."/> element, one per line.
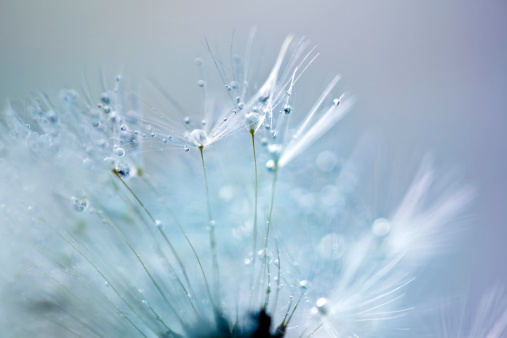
<point x="477" y="314"/>
<point x="100" y="238"/>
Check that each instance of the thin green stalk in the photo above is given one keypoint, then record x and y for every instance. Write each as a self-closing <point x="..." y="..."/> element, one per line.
<point x="166" y="239"/>
<point x="273" y="189"/>
<point x="212" y="238"/>
<point x="254" y="254"/>
<point x="104" y="277"/>
<point x="186" y="238"/>
<point x="278" y="279"/>
<point x="255" y="204"/>
<point x="148" y="273"/>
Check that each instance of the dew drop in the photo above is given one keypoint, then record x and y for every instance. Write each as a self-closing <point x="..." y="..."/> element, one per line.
<point x="107" y="109"/>
<point x="270" y="165"/>
<point x="331" y="246"/>
<point x="241" y="105"/>
<point x="304" y="284"/>
<point x="80" y="204"/>
<point x="106" y="284"/>
<point x="198" y="61"/>
<point x="381" y="227"/>
<point x="123" y="128"/>
<point x="120" y="152"/>
<point x="336" y="102"/>
<point x="158" y="223"/>
<point x="187" y="120"/>
<point x="201" y="83"/>
<point x="198" y="137"/>
<point x="203" y="122"/>
<point x="104" y="97"/>
<point x="253" y="121"/>
<point x="287" y="109"/>
<point x="321" y="305"/>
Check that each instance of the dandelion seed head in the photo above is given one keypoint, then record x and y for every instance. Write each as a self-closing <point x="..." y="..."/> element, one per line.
<point x="111" y="235"/>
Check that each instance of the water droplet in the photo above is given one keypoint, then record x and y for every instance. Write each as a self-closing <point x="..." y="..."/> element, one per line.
<point x="304" y="284"/>
<point x="106" y="284"/>
<point x="198" y="137"/>
<point x="275" y="150"/>
<point x="212" y="223"/>
<point x="331" y="246"/>
<point x="80" y="204"/>
<point x="107" y="109"/>
<point x="96" y="124"/>
<point x="187" y="120"/>
<point x="225" y="119"/>
<point x="321" y="305"/>
<point x="153" y="134"/>
<point x="198" y="61"/>
<point x="201" y="83"/>
<point x="120" y="151"/>
<point x="336" y="102"/>
<point x="267" y="253"/>
<point x="104" y="97"/>
<point x="203" y="122"/>
<point x="158" y="223"/>
<point x="187" y="149"/>
<point x="241" y="105"/>
<point x="287" y="109"/>
<point x="123" y="128"/>
<point x="381" y="227"/>
<point x="270" y="165"/>
<point x="253" y="121"/>
<point x="264" y="141"/>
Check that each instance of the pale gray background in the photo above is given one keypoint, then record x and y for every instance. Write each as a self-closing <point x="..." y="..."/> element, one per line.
<point x="430" y="74"/>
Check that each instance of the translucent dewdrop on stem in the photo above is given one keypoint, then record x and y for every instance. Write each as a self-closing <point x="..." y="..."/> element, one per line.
<point x="253" y="121"/>
<point x="198" y="138"/>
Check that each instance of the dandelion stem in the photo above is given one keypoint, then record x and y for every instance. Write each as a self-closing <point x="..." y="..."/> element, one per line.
<point x="166" y="239"/>
<point x="255" y="203"/>
<point x="186" y="238"/>
<point x="279" y="277"/>
<point x="138" y="257"/>
<point x="212" y="239"/>
<point x="99" y="271"/>
<point x="273" y="189"/>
